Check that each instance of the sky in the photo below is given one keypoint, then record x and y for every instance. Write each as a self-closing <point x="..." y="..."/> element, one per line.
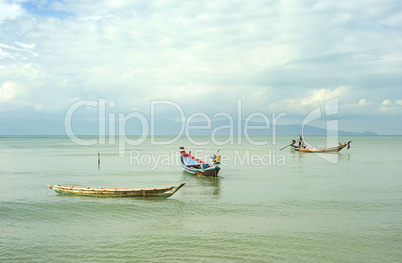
<point x="200" y="57"/>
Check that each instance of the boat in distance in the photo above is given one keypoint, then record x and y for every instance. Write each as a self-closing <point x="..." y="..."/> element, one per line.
<point x="195" y="166"/>
<point x="321" y="150"/>
<point x="116" y="192"/>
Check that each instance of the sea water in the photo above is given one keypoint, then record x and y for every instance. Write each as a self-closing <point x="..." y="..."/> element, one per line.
<point x="269" y="205"/>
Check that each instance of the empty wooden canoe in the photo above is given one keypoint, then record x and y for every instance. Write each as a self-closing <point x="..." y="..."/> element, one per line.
<point x="116" y="192"/>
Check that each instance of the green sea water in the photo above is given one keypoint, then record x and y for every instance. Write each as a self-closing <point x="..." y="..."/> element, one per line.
<point x="267" y="206"/>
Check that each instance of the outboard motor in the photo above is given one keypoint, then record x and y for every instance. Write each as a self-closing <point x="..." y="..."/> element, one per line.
<point x="216" y="159"/>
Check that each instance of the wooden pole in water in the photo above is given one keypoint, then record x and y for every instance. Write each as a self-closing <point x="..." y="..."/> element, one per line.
<point x="98" y="160"/>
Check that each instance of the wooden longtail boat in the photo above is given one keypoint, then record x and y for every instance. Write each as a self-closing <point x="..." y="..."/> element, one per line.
<point x="194" y="165"/>
<point x="321" y="150"/>
<point x="116" y="192"/>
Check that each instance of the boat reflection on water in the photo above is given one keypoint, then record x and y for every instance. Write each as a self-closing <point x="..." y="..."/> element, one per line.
<point x="201" y="185"/>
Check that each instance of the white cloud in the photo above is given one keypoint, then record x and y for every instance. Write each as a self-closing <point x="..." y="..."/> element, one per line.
<point x="323" y="95"/>
<point x="9" y="10"/>
<point x="390" y="107"/>
<point x="17" y="51"/>
<point x="364" y="102"/>
<point x="5" y="54"/>
<point x="8" y="91"/>
<point x="26" y="46"/>
<point x="386" y="103"/>
<point x="301" y="103"/>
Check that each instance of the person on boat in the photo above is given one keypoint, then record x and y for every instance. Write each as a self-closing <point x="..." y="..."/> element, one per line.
<point x="300" y="140"/>
<point x="216" y="159"/>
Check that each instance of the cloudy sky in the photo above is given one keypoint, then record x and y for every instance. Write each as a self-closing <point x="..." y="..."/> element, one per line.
<point x="288" y="56"/>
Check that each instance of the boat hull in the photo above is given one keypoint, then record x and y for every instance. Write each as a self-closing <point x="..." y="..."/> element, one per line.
<point x="211" y="172"/>
<point x="116" y="192"/>
<point x="334" y="149"/>
<point x="196" y="166"/>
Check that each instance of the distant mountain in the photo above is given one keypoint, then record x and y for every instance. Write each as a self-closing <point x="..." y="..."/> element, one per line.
<point x="163" y="127"/>
<point x="311" y="130"/>
<point x="169" y="127"/>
